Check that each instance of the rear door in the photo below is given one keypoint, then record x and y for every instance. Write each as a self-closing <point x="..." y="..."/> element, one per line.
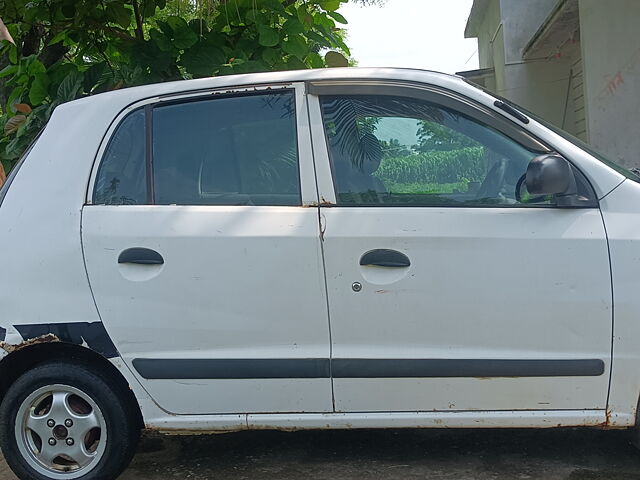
<point x="451" y="288"/>
<point x="203" y="253"/>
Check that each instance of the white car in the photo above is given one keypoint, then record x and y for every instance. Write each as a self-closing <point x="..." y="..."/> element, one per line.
<point x="339" y="248"/>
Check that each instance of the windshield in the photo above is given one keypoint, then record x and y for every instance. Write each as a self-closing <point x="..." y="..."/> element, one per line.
<point x="631" y="175"/>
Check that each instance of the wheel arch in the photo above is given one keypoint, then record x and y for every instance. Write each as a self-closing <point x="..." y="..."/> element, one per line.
<point x="19" y="361"/>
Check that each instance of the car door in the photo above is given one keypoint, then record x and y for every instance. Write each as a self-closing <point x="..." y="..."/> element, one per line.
<point x="201" y="241"/>
<point x="449" y="286"/>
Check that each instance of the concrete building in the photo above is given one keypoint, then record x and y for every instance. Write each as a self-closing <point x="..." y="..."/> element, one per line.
<point x="575" y="63"/>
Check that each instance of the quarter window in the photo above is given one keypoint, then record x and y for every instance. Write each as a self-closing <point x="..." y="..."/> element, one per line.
<point x="121" y="179"/>
<point x="397" y="150"/>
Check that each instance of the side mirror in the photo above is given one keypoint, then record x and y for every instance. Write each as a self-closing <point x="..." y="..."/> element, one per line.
<point x="550" y="174"/>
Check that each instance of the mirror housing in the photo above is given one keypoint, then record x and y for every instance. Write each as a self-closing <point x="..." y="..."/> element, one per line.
<point x="550" y="174"/>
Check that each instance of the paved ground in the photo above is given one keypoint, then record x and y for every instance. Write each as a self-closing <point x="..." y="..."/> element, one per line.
<point x="388" y="454"/>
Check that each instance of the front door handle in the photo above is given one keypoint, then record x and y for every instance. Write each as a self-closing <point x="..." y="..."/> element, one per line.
<point x="383" y="257"/>
<point x="140" y="256"/>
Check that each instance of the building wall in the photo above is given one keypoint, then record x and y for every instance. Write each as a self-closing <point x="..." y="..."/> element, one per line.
<point x="486" y="31"/>
<point x="521" y="21"/>
<point x="590" y="87"/>
<point x="540" y="85"/>
<point x="611" y="58"/>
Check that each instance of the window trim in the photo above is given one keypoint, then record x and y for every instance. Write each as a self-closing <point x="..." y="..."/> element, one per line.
<point x="148" y="154"/>
<point x="307" y="195"/>
<point x="440" y="97"/>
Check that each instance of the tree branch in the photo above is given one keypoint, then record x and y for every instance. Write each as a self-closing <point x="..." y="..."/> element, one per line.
<point x="139" y="22"/>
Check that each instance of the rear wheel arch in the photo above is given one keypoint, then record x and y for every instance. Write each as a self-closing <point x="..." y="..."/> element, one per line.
<point x="16" y="363"/>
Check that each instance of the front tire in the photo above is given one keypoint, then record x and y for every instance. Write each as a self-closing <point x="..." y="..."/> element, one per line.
<point x="64" y="421"/>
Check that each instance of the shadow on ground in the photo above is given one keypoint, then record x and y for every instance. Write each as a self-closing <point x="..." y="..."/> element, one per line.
<point x="572" y="454"/>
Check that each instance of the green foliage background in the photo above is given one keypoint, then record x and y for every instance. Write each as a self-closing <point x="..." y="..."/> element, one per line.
<point x="65" y="49"/>
<point x="438" y="171"/>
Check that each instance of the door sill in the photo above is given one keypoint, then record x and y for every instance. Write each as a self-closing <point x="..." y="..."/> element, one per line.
<point x="201" y="424"/>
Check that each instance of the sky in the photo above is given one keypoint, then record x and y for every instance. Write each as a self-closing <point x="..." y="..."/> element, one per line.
<point x="426" y="34"/>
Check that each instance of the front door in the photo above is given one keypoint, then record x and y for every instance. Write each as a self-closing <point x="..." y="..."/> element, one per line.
<point x="204" y="257"/>
<point x="449" y="286"/>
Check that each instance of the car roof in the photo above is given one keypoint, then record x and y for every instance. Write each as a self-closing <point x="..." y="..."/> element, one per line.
<point x="133" y="94"/>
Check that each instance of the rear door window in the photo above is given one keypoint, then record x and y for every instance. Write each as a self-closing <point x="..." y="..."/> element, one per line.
<point x="227" y="151"/>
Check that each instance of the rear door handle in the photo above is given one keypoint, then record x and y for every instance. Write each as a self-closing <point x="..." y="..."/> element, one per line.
<point x="383" y="257"/>
<point x="140" y="256"/>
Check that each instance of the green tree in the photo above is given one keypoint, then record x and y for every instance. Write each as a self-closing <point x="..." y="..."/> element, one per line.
<point x="433" y="136"/>
<point x="53" y="51"/>
<point x="394" y="149"/>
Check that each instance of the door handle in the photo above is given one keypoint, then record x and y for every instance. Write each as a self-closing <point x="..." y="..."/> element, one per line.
<point x="140" y="256"/>
<point x="383" y="257"/>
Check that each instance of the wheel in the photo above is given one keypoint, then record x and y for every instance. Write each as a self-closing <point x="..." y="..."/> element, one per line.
<point x="63" y="421"/>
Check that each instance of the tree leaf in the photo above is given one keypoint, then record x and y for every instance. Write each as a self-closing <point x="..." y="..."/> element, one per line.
<point x="330" y="5"/>
<point x="118" y="13"/>
<point x="39" y="89"/>
<point x="295" y="45"/>
<point x="94" y="76"/>
<point x="183" y="36"/>
<point x="271" y="56"/>
<point x="202" y="59"/>
<point x="161" y="40"/>
<point x="268" y="37"/>
<point x="314" y="60"/>
<point x="336" y="59"/>
<point x="321" y="18"/>
<point x="338" y="18"/>
<point x="148" y="8"/>
<point x="256" y="16"/>
<point x="293" y="26"/>
<point x="13" y="124"/>
<point x="36" y="67"/>
<point x="4" y="33"/>
<point x="164" y="26"/>
<point x="294" y="63"/>
<point x="304" y="16"/>
<point x="59" y="37"/>
<point x="319" y="39"/>
<point x="13" y="55"/>
<point x="22" y="108"/>
<point x="69" y="87"/>
<point x="57" y="73"/>
<point x="8" y="70"/>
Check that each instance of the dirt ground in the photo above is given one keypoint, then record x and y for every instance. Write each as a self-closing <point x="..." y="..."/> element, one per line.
<point x="571" y="454"/>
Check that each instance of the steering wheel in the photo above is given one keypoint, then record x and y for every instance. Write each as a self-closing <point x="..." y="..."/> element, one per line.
<point x="493" y="182"/>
